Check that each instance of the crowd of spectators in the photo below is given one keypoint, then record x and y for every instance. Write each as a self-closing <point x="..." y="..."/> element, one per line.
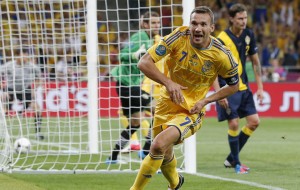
<point x="58" y="37"/>
<point x="276" y="25"/>
<point x="54" y="31"/>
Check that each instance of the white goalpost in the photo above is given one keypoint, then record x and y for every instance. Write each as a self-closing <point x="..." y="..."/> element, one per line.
<point x="75" y="44"/>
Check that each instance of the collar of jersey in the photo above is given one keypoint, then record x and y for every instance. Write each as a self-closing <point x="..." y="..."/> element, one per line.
<point x="211" y="42"/>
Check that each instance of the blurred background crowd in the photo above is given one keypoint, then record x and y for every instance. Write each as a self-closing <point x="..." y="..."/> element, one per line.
<point x="58" y="38"/>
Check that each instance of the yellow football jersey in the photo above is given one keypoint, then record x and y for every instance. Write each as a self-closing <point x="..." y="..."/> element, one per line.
<point x="150" y="86"/>
<point x="191" y="67"/>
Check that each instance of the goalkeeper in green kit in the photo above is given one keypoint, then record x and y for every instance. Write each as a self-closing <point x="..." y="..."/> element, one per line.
<point x="129" y="78"/>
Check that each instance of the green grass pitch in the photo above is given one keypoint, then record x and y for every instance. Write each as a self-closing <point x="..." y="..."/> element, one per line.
<point x="272" y="153"/>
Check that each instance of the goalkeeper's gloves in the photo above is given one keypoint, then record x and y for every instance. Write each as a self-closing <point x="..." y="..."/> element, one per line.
<point x="139" y="53"/>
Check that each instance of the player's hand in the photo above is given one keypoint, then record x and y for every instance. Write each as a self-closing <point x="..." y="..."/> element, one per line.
<point x="198" y="107"/>
<point x="139" y="53"/>
<point x="175" y="92"/>
<point x="260" y="95"/>
<point x="223" y="103"/>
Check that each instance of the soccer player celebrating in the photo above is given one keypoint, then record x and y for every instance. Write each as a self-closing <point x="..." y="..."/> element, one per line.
<point x="194" y="59"/>
<point x="241" y="42"/>
<point x="20" y="75"/>
<point x="129" y="79"/>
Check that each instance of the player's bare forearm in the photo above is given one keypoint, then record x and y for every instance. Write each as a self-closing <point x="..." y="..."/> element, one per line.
<point x="148" y="67"/>
<point x="216" y="85"/>
<point x="220" y="94"/>
<point x="257" y="70"/>
<point x="222" y="102"/>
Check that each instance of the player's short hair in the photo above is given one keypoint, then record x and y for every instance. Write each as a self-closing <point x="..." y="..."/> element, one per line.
<point x="236" y="8"/>
<point x="147" y="15"/>
<point x="204" y="10"/>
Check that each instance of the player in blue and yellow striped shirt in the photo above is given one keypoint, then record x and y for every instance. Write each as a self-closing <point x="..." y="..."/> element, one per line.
<point x="241" y="42"/>
<point x="194" y="59"/>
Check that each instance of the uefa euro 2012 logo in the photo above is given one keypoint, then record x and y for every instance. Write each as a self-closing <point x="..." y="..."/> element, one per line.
<point x="160" y="50"/>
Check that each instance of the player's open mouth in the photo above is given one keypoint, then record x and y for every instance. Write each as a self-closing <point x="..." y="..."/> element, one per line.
<point x="198" y="36"/>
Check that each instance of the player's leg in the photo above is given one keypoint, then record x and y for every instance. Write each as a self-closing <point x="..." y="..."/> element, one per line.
<point x="131" y="98"/>
<point x="147" y="133"/>
<point x="248" y="129"/>
<point x="231" y="116"/>
<point x="134" y="140"/>
<point x="245" y="133"/>
<point x="162" y="144"/>
<point x="30" y="100"/>
<point x="168" y="168"/>
<point x="246" y="109"/>
<point x="167" y="135"/>
<point x="148" y="138"/>
<point x="170" y="172"/>
<point x="125" y="137"/>
<point x="233" y="141"/>
<point x="249" y="111"/>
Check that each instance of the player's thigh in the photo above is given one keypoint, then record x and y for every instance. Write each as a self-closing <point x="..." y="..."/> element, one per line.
<point x="247" y="107"/>
<point x="234" y="102"/>
<point x="186" y="124"/>
<point x="164" y="141"/>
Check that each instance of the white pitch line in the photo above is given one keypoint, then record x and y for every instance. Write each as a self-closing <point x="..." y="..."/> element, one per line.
<point x="239" y="181"/>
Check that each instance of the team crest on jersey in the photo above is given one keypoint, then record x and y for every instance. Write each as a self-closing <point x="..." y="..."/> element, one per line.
<point x="207" y="66"/>
<point x="247" y="40"/>
<point x="160" y="50"/>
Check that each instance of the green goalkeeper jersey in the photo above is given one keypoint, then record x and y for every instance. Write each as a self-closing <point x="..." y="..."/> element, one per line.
<point x="127" y="72"/>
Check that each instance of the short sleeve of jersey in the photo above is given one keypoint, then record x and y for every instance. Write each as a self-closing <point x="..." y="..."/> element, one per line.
<point x="229" y="69"/>
<point x="168" y="44"/>
<point x="253" y="47"/>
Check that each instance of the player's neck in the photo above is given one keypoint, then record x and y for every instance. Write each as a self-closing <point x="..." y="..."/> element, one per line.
<point x="204" y="45"/>
<point x="237" y="32"/>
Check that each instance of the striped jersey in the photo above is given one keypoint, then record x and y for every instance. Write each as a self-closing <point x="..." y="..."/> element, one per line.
<point x="192" y="67"/>
<point x="240" y="47"/>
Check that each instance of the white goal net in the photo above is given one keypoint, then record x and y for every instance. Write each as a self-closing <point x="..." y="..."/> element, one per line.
<point x="55" y="87"/>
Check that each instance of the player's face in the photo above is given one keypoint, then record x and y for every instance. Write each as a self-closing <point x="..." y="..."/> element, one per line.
<point x="154" y="25"/>
<point x="23" y="58"/>
<point x="239" y="21"/>
<point x="201" y="28"/>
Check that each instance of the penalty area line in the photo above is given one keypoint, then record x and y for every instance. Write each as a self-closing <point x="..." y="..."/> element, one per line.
<point x="253" y="184"/>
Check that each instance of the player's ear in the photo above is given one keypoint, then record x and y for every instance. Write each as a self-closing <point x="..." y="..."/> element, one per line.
<point x="230" y="20"/>
<point x="212" y="28"/>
